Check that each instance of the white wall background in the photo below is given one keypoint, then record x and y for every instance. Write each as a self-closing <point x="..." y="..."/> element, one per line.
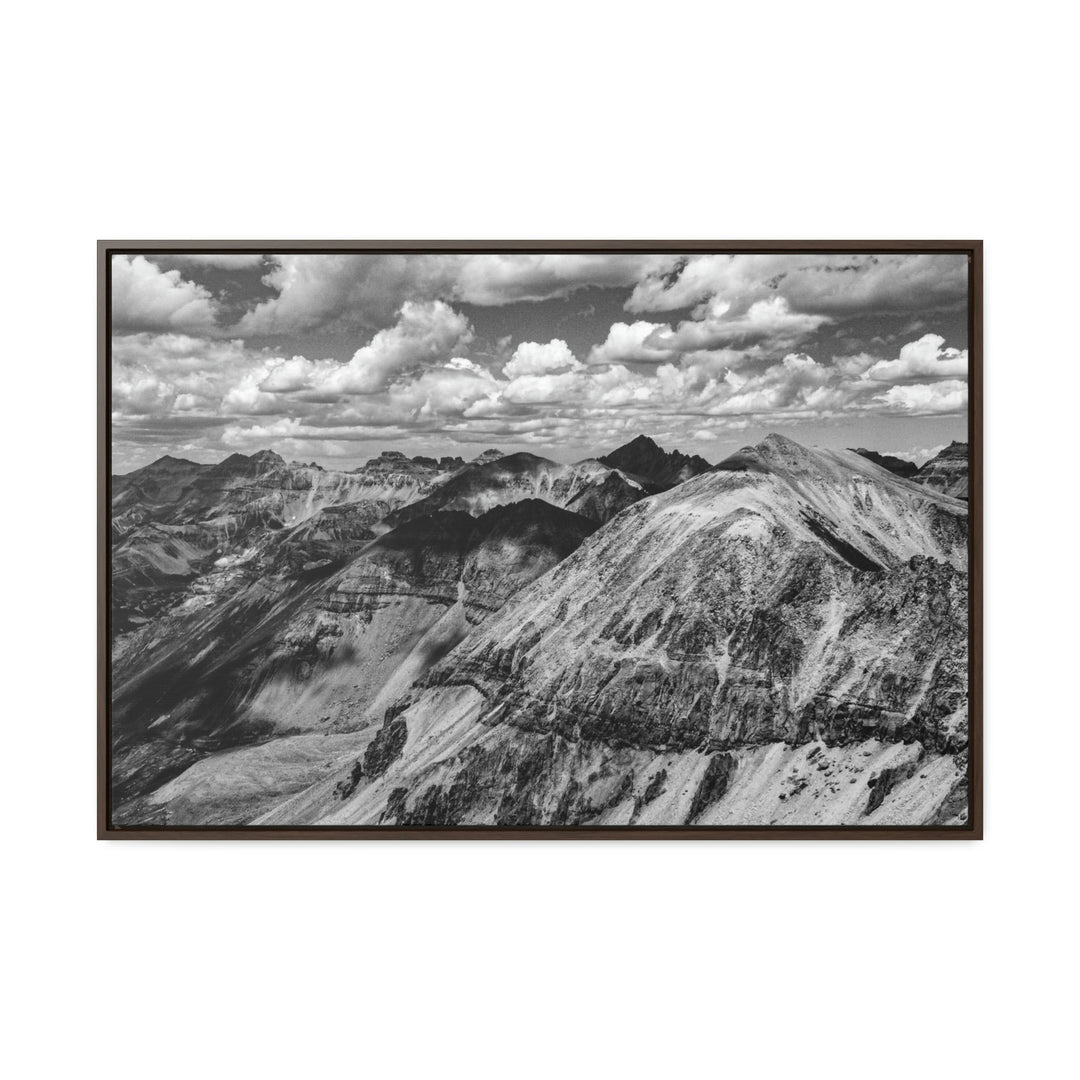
<point x="779" y="120"/>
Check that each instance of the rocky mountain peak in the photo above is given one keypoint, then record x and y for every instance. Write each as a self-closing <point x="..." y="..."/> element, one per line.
<point x="168" y="464"/>
<point x="773" y="453"/>
<point x="645" y="458"/>
<point x="488" y="455"/>
<point x="955" y="449"/>
<point x="948" y="471"/>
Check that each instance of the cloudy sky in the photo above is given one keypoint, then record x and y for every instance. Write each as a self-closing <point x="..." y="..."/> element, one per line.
<point x="336" y="357"/>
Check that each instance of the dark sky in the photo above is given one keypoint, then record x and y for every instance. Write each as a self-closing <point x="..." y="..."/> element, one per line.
<point x="334" y="358"/>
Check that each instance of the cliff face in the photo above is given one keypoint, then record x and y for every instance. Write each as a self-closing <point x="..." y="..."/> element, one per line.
<point x="782" y="639"/>
<point x="948" y="471"/>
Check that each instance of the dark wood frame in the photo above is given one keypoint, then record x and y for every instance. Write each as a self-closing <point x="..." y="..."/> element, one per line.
<point x="973" y="830"/>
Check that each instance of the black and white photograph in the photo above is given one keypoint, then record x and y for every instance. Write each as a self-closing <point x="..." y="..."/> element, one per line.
<point x="582" y="539"/>
<point x="526" y="518"/>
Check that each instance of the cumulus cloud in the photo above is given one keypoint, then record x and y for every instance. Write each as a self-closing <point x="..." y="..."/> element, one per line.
<point x="825" y="284"/>
<point x="535" y="389"/>
<point x="503" y="279"/>
<point x="314" y="290"/>
<point x="176" y="354"/>
<point x="424" y="334"/>
<point x="139" y="393"/>
<point x="248" y="398"/>
<point x="770" y="320"/>
<point x="921" y="359"/>
<point x="145" y="297"/>
<point x="745" y="351"/>
<point x="926" y="399"/>
<point x="154" y="373"/>
<point x="282" y="376"/>
<point x="630" y="343"/>
<point x="442" y="391"/>
<point x="534" y="358"/>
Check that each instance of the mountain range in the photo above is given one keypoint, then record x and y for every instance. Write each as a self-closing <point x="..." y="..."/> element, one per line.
<point x="638" y="638"/>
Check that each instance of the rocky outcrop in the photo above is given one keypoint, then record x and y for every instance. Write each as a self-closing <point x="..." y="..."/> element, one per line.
<point x="394" y="462"/>
<point x="947" y="472"/>
<point x="246" y="493"/>
<point x="641" y="457"/>
<point x="178" y="525"/>
<point x="600" y="500"/>
<point x="305" y="643"/>
<point x="786" y="600"/>
<point x="779" y="640"/>
<point x="588" y="487"/>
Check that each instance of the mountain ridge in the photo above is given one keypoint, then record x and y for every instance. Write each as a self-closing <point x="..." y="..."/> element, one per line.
<point x="691" y="640"/>
<point x="779" y="638"/>
<point x="947" y="471"/>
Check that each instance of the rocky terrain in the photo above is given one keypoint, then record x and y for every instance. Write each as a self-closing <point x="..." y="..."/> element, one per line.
<point x="900" y="466"/>
<point x="779" y="639"/>
<point x="589" y="488"/>
<point x="308" y="626"/>
<point x="175" y="520"/>
<point x="948" y="471"/>
<point x="641" y="457"/>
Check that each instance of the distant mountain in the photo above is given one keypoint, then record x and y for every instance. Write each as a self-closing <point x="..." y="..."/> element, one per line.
<point x="395" y="462"/>
<point x="947" y="472"/>
<point x="320" y="653"/>
<point x="780" y="640"/>
<point x="590" y="488"/>
<point x="641" y="457"/>
<point x="173" y="520"/>
<point x="639" y="639"/>
<point x="906" y="469"/>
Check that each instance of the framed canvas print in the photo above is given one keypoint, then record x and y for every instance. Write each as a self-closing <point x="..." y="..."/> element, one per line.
<point x="520" y="539"/>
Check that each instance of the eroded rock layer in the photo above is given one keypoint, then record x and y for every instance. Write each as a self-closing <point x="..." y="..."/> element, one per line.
<point x="717" y="633"/>
<point x="948" y="471"/>
<point x="638" y="640"/>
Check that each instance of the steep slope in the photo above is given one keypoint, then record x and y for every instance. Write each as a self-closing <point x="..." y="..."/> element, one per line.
<point x="174" y="520"/>
<point x="242" y="492"/>
<point x="641" y="457"/>
<point x="311" y="641"/>
<point x="780" y="640"/>
<point x="906" y="469"/>
<point x="948" y="471"/>
<point x="587" y="487"/>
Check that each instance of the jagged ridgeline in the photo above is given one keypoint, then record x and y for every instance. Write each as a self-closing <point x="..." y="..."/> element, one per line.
<point x="637" y="638"/>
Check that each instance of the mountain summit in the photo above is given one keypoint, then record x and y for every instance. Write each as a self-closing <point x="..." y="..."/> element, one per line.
<point x="780" y="640"/>
<point x="948" y="472"/>
<point x="643" y="457"/>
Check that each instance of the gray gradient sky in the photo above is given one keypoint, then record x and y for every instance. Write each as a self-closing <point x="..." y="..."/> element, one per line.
<point x="334" y="358"/>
